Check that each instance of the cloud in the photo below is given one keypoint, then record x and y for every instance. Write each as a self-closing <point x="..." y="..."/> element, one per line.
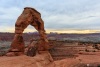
<point x="57" y="14"/>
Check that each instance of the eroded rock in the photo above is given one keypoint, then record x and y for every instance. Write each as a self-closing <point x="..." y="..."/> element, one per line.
<point x="29" y="16"/>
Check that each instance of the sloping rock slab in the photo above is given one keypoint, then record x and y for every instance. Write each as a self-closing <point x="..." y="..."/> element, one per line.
<point x="40" y="60"/>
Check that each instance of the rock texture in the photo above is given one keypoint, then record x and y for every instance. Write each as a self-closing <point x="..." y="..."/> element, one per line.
<point x="45" y="60"/>
<point x="29" y="16"/>
<point x="40" y="60"/>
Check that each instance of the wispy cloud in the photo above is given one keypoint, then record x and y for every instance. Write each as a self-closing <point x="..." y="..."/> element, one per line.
<point x="57" y="14"/>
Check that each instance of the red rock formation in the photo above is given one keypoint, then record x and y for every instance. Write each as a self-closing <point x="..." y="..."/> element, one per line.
<point x="40" y="60"/>
<point x="29" y="16"/>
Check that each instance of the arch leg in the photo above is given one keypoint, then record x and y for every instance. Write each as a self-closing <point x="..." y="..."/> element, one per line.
<point x="18" y="42"/>
<point x="39" y="26"/>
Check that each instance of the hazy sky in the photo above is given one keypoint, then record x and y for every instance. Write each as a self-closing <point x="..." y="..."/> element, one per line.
<point x="69" y="16"/>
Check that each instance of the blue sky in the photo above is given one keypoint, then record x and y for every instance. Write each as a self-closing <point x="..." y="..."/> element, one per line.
<point x="58" y="15"/>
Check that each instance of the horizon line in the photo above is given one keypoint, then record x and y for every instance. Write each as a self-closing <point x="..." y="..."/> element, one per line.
<point x="56" y="32"/>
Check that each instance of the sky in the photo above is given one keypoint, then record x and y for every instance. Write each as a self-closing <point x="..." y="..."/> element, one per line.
<point x="63" y="16"/>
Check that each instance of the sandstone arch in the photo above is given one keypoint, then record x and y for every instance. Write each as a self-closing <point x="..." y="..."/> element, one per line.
<point x="29" y="16"/>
